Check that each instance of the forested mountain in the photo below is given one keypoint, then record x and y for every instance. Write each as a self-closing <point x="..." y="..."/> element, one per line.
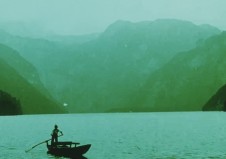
<point x="106" y="73"/>
<point x="20" y="81"/>
<point x="103" y="73"/>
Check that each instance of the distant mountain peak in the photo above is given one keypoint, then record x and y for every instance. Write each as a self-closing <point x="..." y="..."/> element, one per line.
<point x="159" y="25"/>
<point x="161" y="29"/>
<point x="117" y="26"/>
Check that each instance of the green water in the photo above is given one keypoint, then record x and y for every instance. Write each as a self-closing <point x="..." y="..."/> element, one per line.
<point x="194" y="135"/>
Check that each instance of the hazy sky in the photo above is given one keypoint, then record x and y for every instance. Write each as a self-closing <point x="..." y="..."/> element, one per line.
<point x="89" y="16"/>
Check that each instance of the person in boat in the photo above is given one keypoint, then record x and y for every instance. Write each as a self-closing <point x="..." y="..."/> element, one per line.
<point x="55" y="135"/>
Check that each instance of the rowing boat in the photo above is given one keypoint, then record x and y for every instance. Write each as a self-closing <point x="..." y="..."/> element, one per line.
<point x="67" y="149"/>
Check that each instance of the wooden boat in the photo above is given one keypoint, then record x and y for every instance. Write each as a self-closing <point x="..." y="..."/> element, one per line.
<point x="68" y="149"/>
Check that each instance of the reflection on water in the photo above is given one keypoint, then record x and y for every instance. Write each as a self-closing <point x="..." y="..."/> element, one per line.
<point x="195" y="135"/>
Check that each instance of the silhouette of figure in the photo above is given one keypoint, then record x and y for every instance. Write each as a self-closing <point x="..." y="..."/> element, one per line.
<point x="55" y="135"/>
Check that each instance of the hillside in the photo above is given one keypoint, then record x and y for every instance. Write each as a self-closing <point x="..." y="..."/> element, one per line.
<point x="23" y="67"/>
<point x="188" y="81"/>
<point x="31" y="99"/>
<point x="217" y="101"/>
<point x="106" y="73"/>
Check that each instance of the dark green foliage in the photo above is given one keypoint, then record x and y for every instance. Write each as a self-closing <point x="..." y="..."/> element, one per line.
<point x="217" y="101"/>
<point x="9" y="105"/>
<point x="224" y="106"/>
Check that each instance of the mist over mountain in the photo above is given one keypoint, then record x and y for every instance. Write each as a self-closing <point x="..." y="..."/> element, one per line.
<point x="112" y="71"/>
<point x="20" y="80"/>
<point x="22" y="29"/>
<point x="103" y="74"/>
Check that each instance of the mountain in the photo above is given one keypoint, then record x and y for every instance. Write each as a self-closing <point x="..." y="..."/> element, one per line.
<point x="31" y="99"/>
<point x="103" y="73"/>
<point x="157" y="41"/>
<point x="187" y="82"/>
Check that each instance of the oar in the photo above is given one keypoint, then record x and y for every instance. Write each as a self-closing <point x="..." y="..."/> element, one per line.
<point x="40" y="143"/>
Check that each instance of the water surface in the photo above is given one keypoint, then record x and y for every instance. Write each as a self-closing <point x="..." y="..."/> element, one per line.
<point x="181" y="135"/>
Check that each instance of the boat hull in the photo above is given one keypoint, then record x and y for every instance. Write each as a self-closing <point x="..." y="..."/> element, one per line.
<point x="70" y="152"/>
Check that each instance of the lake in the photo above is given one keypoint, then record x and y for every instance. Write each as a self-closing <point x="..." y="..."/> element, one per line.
<point x="179" y="135"/>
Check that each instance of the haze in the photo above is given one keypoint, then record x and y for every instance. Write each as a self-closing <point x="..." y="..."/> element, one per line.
<point x="91" y="16"/>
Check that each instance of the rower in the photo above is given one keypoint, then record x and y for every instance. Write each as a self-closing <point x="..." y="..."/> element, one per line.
<point x="55" y="135"/>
